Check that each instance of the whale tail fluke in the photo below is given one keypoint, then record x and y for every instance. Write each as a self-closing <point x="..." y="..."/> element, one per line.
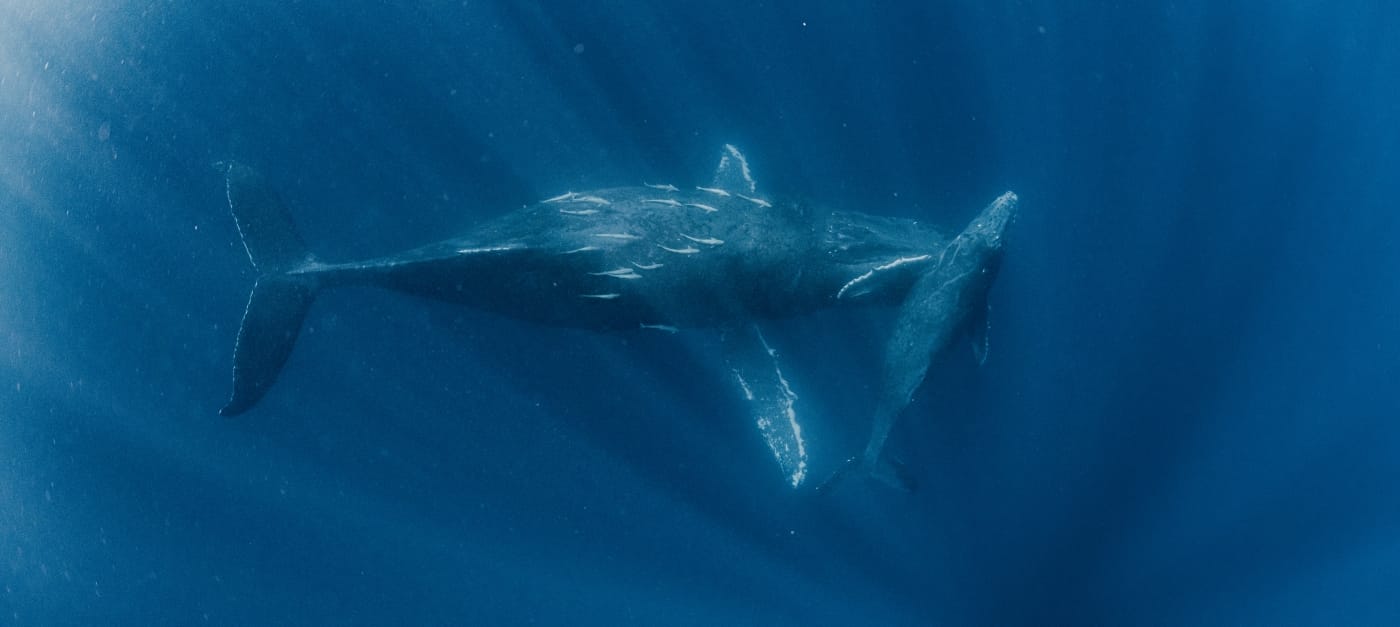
<point x="890" y="472"/>
<point x="282" y="294"/>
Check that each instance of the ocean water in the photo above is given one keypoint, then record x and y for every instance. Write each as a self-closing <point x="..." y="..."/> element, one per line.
<point x="1190" y="413"/>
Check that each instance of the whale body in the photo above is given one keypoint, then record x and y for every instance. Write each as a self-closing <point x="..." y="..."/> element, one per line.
<point x="720" y="256"/>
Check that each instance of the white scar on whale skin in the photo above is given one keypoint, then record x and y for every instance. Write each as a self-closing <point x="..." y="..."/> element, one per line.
<point x="620" y="273"/>
<point x="581" y="249"/>
<point x="561" y="197"/>
<point x="489" y="249"/>
<point x="707" y="208"/>
<point x="617" y="235"/>
<point x="757" y="201"/>
<point x="713" y="190"/>
<point x="665" y="187"/>
<point x="708" y="241"/>
<point x="663" y="201"/>
<point x="579" y="212"/>
<point x="871" y="272"/>
<point x="608" y="296"/>
<point x="659" y="327"/>
<point x="597" y="200"/>
<point x="647" y="266"/>
<point x="688" y="250"/>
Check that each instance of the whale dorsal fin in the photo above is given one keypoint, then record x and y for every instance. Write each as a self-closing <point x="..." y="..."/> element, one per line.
<point x="733" y="174"/>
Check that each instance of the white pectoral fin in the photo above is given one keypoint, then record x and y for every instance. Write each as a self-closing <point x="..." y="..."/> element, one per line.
<point x="771" y="401"/>
<point x="979" y="331"/>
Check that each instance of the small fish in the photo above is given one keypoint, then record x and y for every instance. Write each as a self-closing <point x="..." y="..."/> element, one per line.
<point x="608" y="296"/>
<point x="697" y="205"/>
<point x="666" y="187"/>
<point x="713" y="190"/>
<point x="708" y="241"/>
<point x="617" y="235"/>
<point x="688" y="250"/>
<point x="614" y="272"/>
<point x="647" y="266"/>
<point x="581" y="249"/>
<point x="663" y="201"/>
<point x="579" y="212"/>
<point x="659" y="327"/>
<point x="597" y="200"/>
<point x="620" y="273"/>
<point x="757" y="201"/>
<point x="560" y="197"/>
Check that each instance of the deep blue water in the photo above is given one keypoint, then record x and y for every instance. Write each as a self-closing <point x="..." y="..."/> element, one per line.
<point x="1190" y="414"/>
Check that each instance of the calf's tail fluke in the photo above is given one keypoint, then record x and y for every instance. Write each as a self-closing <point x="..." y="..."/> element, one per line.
<point x="888" y="471"/>
<point x="281" y="296"/>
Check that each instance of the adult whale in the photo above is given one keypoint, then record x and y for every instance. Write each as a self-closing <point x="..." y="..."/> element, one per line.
<point x="653" y="257"/>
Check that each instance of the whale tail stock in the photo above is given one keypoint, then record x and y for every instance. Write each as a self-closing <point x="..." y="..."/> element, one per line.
<point x="284" y="290"/>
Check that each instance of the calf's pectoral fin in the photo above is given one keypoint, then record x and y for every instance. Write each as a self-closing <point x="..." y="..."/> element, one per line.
<point x="979" y="331"/>
<point x="886" y="470"/>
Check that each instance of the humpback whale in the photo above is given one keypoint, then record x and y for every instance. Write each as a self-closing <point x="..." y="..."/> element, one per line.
<point x="657" y="256"/>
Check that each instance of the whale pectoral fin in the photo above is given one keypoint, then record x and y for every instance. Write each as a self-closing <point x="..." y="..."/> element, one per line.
<point x="979" y="330"/>
<point x="772" y="403"/>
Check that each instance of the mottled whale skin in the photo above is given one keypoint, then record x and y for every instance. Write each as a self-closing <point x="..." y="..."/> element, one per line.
<point x="650" y="257"/>
<point x="636" y="262"/>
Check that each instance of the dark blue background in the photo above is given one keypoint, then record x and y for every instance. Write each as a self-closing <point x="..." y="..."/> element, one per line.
<point x="1189" y="415"/>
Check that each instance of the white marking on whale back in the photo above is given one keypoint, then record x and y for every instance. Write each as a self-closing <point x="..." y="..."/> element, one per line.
<point x="647" y="266"/>
<point x="708" y="241"/>
<point x="880" y="268"/>
<point x="581" y="249"/>
<point x="707" y="208"/>
<point x="617" y="236"/>
<point x="608" y="296"/>
<point x="688" y="250"/>
<point x="663" y="201"/>
<point x="486" y="249"/>
<point x="664" y="186"/>
<point x="578" y="212"/>
<point x="659" y="327"/>
<point x="713" y="190"/>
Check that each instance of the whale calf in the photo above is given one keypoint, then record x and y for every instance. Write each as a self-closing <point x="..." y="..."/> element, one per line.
<point x="658" y="256"/>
